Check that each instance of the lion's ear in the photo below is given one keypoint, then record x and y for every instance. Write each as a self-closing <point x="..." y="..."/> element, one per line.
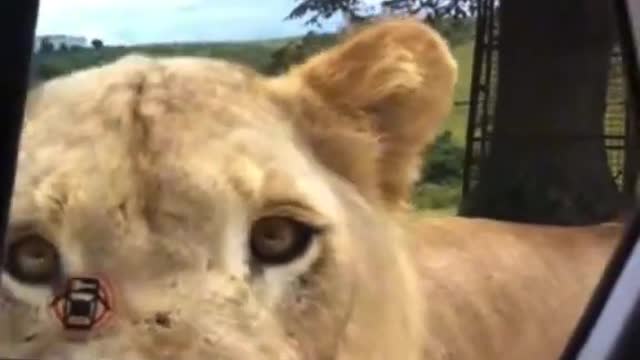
<point x="392" y="81"/>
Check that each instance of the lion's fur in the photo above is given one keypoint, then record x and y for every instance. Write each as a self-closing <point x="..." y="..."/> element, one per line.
<point x="506" y="290"/>
<point x="151" y="170"/>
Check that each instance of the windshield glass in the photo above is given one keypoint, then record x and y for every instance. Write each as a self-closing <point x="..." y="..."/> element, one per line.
<point x="304" y="179"/>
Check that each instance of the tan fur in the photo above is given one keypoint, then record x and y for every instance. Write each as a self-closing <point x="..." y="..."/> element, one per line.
<point x="392" y="83"/>
<point x="150" y="172"/>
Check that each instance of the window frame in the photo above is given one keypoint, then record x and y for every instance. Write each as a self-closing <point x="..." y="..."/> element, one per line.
<point x="18" y="19"/>
<point x="609" y="328"/>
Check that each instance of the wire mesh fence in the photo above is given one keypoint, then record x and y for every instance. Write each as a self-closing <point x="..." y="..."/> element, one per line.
<point x="481" y="105"/>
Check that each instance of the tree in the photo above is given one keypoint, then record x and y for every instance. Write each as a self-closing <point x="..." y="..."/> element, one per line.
<point x="358" y="10"/>
<point x="324" y="9"/>
<point x="63" y="47"/>
<point x="454" y="19"/>
<point x="445" y="161"/>
<point x="435" y="9"/>
<point x="547" y="162"/>
<point x="97" y="44"/>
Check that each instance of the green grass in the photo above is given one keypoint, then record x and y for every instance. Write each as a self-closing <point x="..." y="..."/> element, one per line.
<point x="256" y="54"/>
<point x="457" y="121"/>
<point x="434" y="196"/>
<point x="442" y="212"/>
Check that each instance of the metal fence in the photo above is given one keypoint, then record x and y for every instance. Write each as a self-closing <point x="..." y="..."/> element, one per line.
<point x="617" y="129"/>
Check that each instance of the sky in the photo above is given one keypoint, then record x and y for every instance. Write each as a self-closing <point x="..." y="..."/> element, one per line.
<point x="153" y="21"/>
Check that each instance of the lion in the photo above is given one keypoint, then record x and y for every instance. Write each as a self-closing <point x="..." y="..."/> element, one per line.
<point x="230" y="215"/>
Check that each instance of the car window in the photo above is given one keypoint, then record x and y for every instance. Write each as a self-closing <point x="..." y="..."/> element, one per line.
<point x="317" y="179"/>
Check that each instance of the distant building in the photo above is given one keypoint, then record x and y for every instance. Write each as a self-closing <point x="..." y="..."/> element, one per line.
<point x="60" y="41"/>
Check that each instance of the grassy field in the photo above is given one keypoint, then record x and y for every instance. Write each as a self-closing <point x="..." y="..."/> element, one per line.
<point x="457" y="122"/>
<point x="437" y="199"/>
<point x="256" y="54"/>
<point x="443" y="200"/>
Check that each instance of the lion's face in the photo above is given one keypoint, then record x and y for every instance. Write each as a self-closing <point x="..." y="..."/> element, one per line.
<point x="233" y="216"/>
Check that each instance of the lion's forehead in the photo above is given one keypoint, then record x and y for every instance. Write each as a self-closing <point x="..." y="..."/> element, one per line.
<point x="185" y="137"/>
<point x="187" y="95"/>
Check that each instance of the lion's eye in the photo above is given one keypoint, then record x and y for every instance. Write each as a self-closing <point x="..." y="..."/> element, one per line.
<point x="277" y="240"/>
<point x="32" y="259"/>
